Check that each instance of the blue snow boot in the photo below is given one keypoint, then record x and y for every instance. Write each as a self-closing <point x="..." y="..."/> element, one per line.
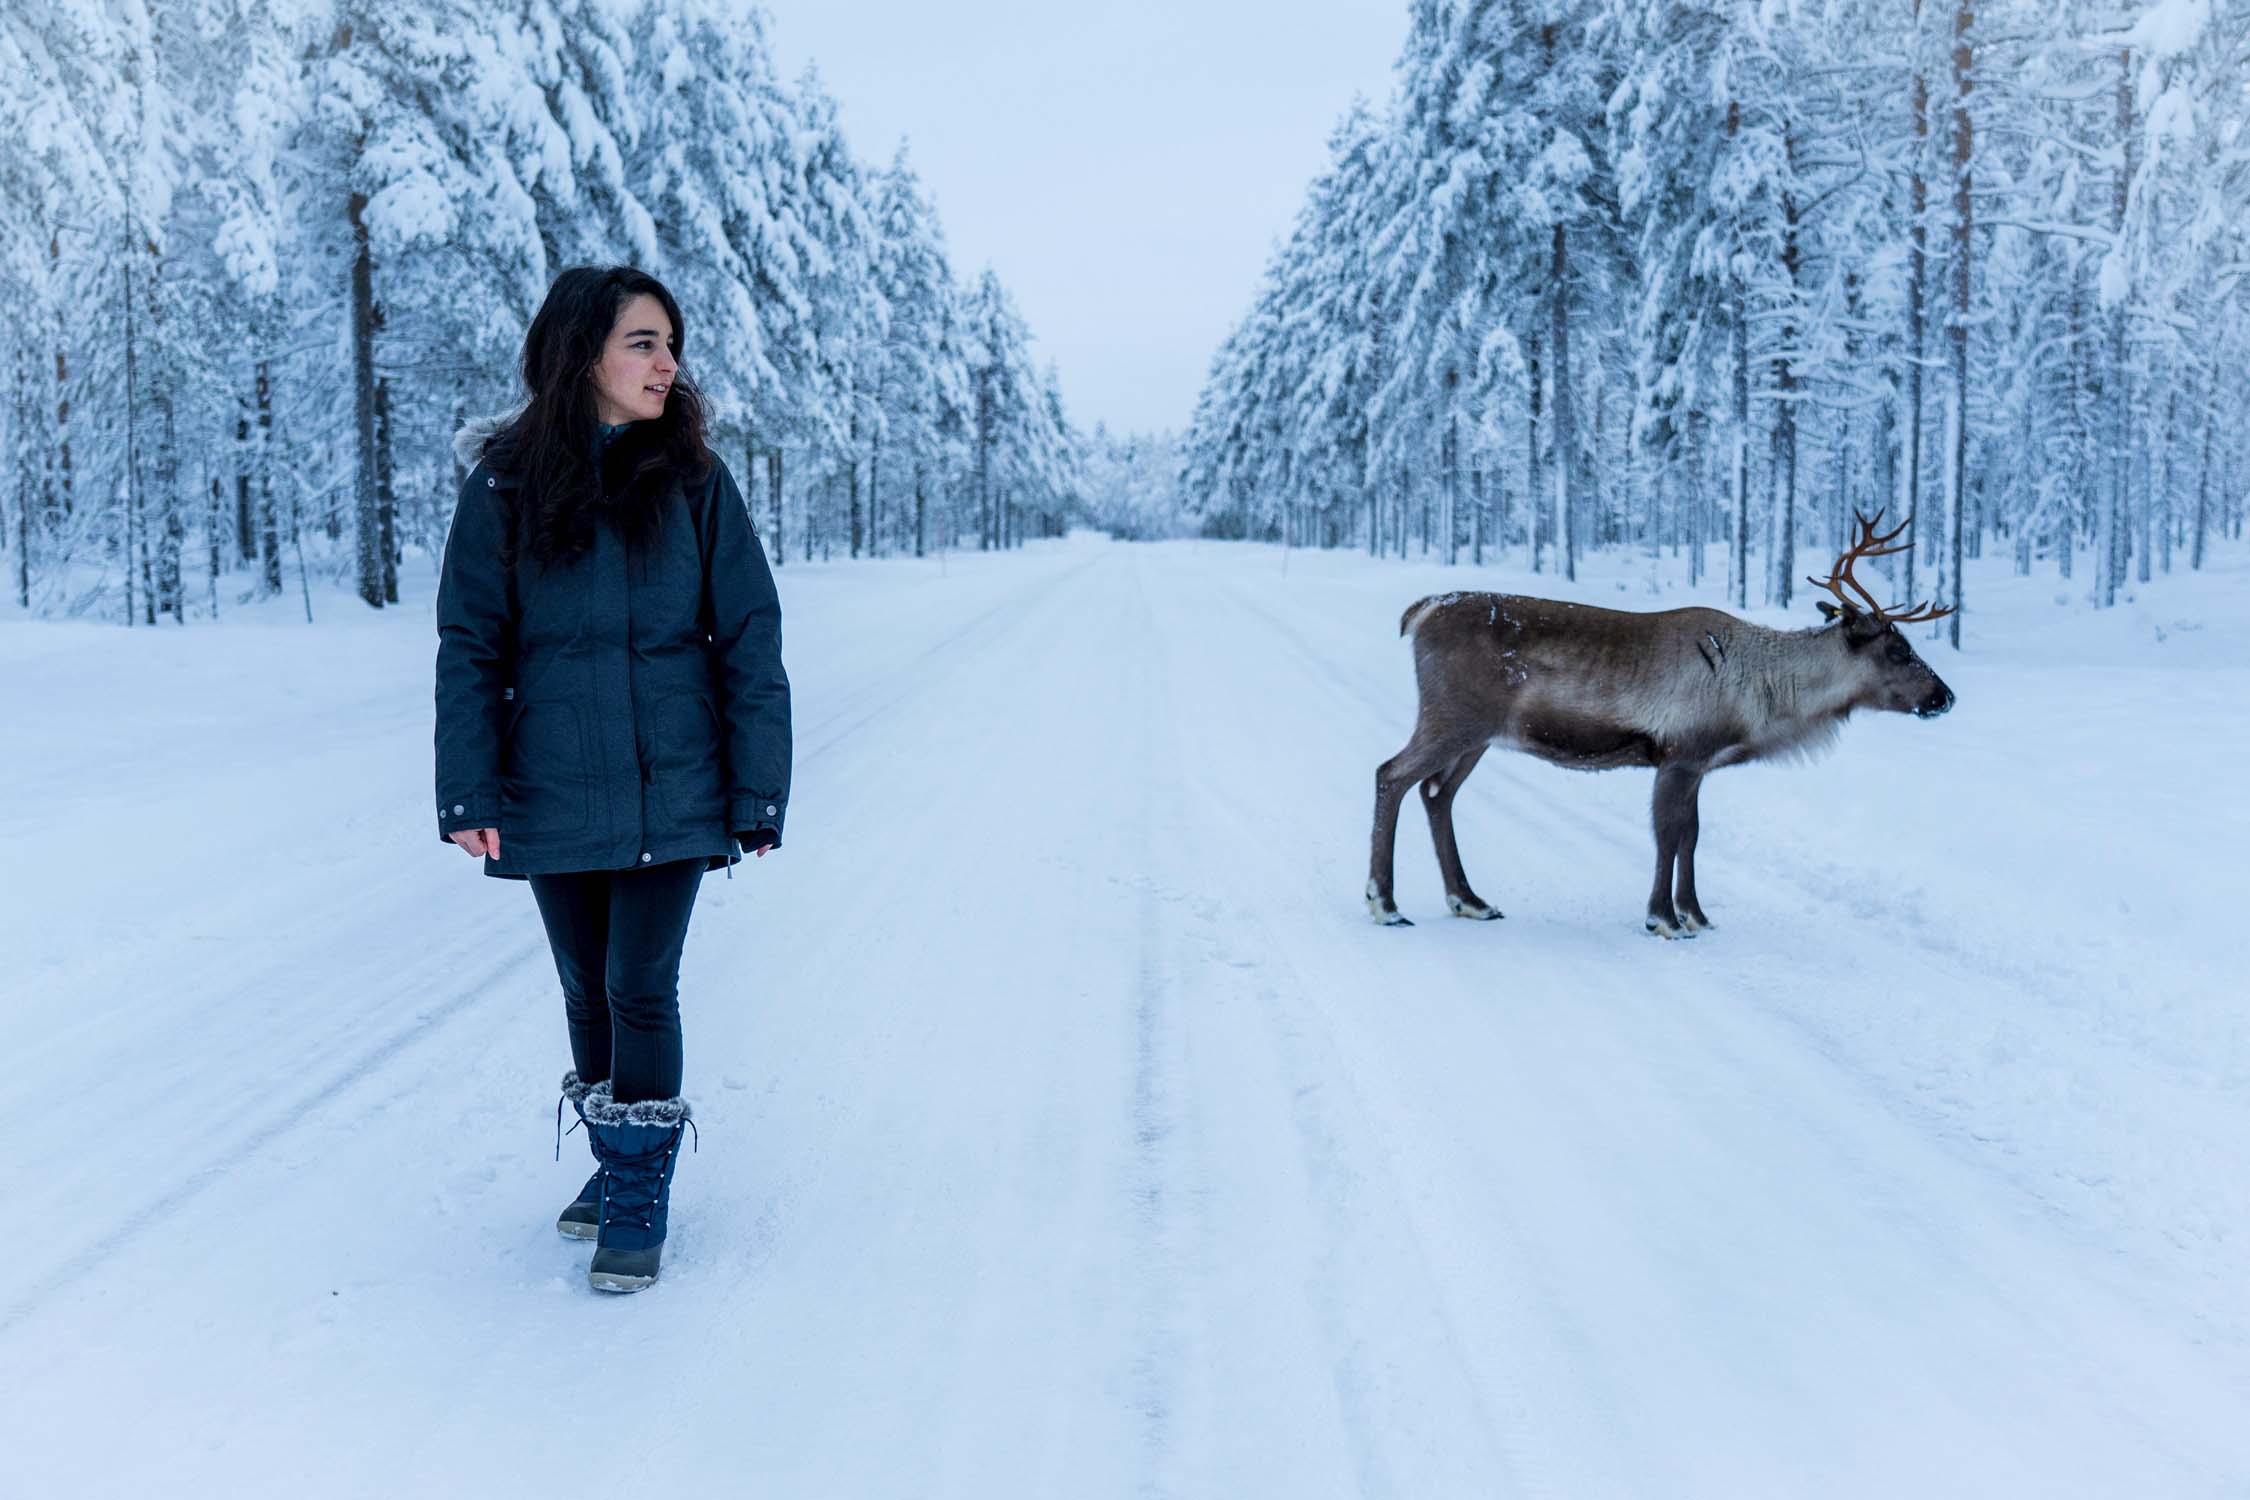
<point x="639" y="1146"/>
<point x="582" y="1219"/>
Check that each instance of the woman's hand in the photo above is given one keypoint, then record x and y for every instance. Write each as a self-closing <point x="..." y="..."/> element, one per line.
<point x="478" y="841"/>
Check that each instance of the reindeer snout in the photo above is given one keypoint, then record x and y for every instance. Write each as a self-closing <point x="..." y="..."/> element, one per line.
<point x="1937" y="703"/>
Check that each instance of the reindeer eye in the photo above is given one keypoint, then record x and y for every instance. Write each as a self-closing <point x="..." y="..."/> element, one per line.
<point x="1898" y="650"/>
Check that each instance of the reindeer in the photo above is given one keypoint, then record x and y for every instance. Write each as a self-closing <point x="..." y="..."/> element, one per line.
<point x="1685" y="691"/>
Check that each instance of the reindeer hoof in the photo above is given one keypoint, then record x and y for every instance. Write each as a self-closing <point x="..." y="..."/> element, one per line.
<point x="1691" y="923"/>
<point x="1387" y="918"/>
<point x="1658" y="927"/>
<point x="1473" y="909"/>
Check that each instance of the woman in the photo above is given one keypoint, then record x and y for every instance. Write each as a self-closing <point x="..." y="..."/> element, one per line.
<point x="612" y="715"/>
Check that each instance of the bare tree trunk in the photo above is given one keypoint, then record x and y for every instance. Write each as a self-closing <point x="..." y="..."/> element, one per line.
<point x="1532" y="471"/>
<point x="875" y="496"/>
<point x="172" y="538"/>
<point x="132" y="407"/>
<point x="214" y="527"/>
<point x="2144" y="512"/>
<point x="1499" y="502"/>
<point x="1740" y="563"/>
<point x="852" y="470"/>
<point x="1917" y="295"/>
<point x="1452" y="442"/>
<point x="1566" y="431"/>
<point x="987" y="528"/>
<point x="1785" y="410"/>
<point x="65" y="468"/>
<point x="2164" y="490"/>
<point x="1958" y="333"/>
<point x="2203" y="486"/>
<point x="773" y="492"/>
<point x="365" y="319"/>
<point x="1477" y="516"/>
<point x="2074" y="370"/>
<point x="269" y="519"/>
<point x="2117" y="389"/>
<point x="245" y="523"/>
<point x="386" y="494"/>
<point x="23" y="477"/>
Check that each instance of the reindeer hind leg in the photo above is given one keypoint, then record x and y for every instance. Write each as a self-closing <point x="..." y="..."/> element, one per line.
<point x="1392" y="778"/>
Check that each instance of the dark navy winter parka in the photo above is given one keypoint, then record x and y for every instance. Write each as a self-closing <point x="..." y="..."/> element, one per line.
<point x="621" y="710"/>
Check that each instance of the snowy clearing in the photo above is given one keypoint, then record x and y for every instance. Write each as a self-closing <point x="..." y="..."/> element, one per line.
<point x="1067" y="1128"/>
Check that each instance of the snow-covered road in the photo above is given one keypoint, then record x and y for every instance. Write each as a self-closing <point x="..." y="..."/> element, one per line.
<point x="1067" y="1130"/>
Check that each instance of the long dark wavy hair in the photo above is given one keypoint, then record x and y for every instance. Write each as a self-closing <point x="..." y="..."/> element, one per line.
<point x="550" y="443"/>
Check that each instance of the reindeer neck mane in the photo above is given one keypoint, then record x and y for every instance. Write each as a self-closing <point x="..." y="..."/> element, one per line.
<point x="1792" y="688"/>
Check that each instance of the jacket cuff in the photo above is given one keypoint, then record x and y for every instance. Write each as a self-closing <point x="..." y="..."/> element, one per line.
<point x="467" y="813"/>
<point x="749" y="814"/>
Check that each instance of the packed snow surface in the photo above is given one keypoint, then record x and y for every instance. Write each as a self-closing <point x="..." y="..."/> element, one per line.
<point x="1067" y="1127"/>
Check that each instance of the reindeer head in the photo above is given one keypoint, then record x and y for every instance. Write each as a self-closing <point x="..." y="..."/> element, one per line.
<point x="1896" y="678"/>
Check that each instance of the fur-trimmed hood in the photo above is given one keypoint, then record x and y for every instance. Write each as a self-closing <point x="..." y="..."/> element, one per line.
<point x="469" y="443"/>
<point x="622" y="488"/>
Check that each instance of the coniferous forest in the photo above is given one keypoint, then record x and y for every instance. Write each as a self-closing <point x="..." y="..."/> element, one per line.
<point x="1689" y="274"/>
<point x="262" y="257"/>
<point x="1696" y="277"/>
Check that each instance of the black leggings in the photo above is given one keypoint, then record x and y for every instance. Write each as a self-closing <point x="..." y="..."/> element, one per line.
<point x="616" y="935"/>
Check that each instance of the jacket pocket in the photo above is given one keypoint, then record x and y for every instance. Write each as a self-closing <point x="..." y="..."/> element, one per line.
<point x="688" y="758"/>
<point x="546" y="780"/>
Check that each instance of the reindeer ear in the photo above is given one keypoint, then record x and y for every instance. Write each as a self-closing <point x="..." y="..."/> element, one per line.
<point x="1827" y="611"/>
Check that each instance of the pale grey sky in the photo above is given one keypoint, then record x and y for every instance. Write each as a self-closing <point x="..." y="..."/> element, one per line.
<point x="1124" y="167"/>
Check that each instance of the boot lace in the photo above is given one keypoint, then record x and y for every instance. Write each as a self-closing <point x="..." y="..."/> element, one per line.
<point x="559" y="1131"/>
<point x="632" y="1183"/>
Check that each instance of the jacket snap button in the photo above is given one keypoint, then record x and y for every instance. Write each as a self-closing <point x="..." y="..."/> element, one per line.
<point x="769" y="809"/>
<point x="456" y="809"/>
<point x="644" y="857"/>
<point x="491" y="483"/>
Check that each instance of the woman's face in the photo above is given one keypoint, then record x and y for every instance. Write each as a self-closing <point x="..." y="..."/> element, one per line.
<point x="636" y="368"/>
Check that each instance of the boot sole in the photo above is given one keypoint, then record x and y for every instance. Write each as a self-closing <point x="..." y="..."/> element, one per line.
<point x="611" y="1281"/>
<point x="570" y="1231"/>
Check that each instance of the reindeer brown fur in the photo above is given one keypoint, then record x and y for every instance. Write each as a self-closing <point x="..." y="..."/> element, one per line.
<point x="1684" y="691"/>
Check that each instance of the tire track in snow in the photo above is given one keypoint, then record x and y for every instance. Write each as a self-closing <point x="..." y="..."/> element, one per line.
<point x="225" y="1164"/>
<point x="1160" y="1200"/>
<point x="943" y="659"/>
<point x="1394" y="1436"/>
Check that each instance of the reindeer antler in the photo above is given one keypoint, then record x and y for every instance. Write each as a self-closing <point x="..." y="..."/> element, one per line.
<point x="1871" y="543"/>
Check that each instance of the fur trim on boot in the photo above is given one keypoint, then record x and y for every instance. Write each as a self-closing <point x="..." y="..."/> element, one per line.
<point x="573" y="1090"/>
<point x="600" y="1108"/>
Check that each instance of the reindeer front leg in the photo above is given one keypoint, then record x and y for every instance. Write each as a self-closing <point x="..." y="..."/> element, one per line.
<point x="1692" y="919"/>
<point x="1392" y="778"/>
<point x="1672" y="810"/>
